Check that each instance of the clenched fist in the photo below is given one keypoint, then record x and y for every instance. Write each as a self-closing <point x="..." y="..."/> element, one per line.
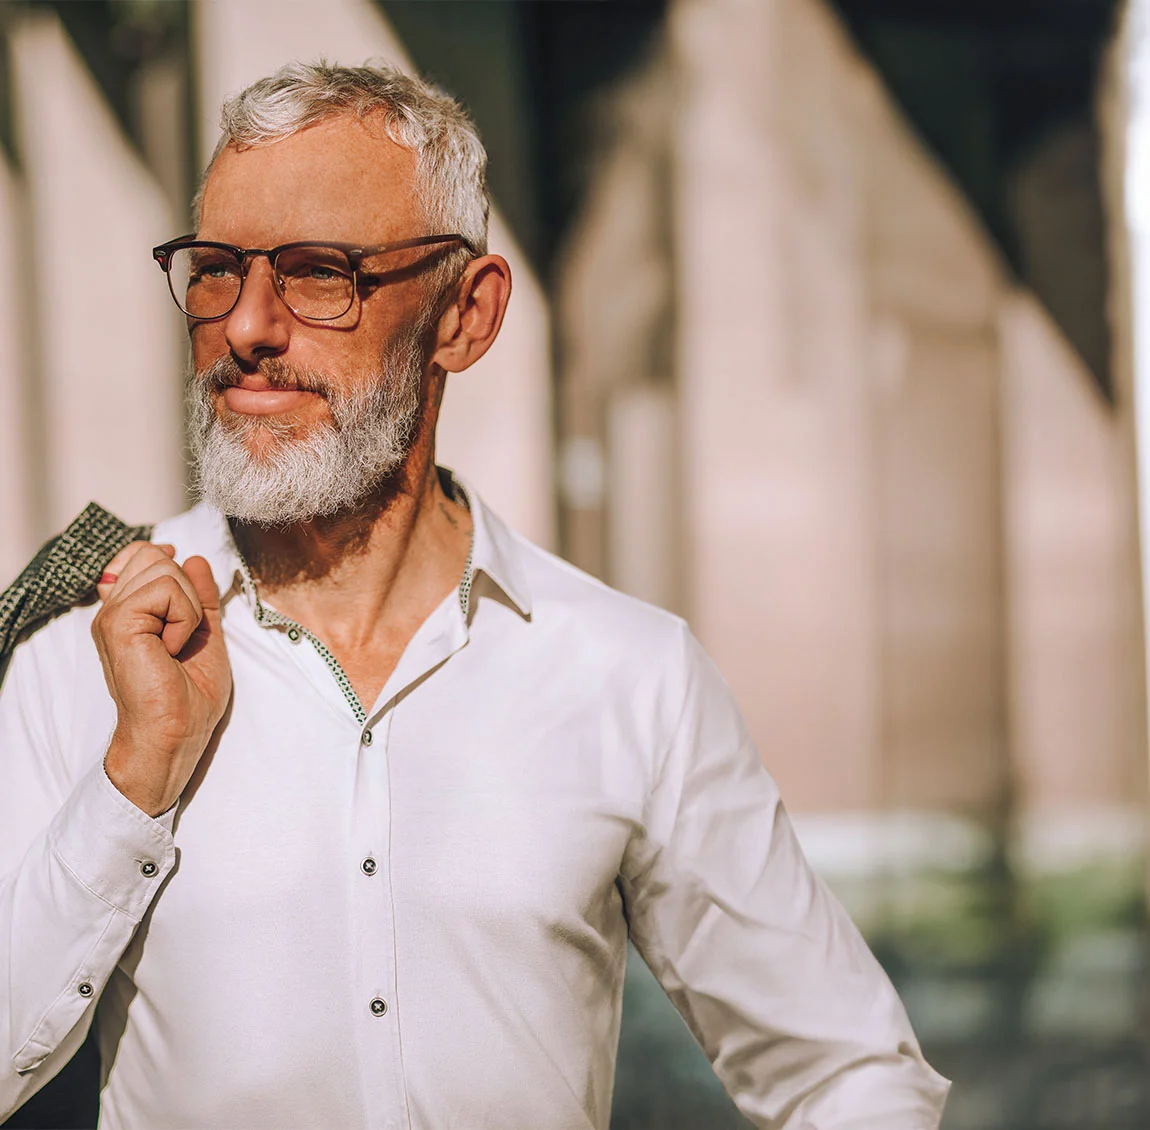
<point x="162" y="648"/>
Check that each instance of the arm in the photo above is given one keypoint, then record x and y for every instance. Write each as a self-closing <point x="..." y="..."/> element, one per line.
<point x="72" y="885"/>
<point x="81" y="862"/>
<point x="798" y="1019"/>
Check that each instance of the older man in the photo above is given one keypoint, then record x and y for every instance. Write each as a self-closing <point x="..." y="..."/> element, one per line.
<point x="347" y="816"/>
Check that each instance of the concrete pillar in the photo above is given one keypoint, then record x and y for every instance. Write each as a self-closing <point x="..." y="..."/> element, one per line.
<point x="495" y="429"/>
<point x="944" y="720"/>
<point x="108" y="347"/>
<point x="1072" y="567"/>
<point x="160" y="98"/>
<point x="619" y="465"/>
<point x="20" y="471"/>
<point x="1124" y="216"/>
<point x="772" y="343"/>
<point x="934" y="284"/>
<point x="644" y="541"/>
<point x="1125" y="120"/>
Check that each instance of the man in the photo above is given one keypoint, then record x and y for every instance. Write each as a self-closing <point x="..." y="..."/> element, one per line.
<point x="346" y="818"/>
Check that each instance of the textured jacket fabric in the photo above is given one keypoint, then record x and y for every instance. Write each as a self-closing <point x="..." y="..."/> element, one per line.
<point x="63" y="573"/>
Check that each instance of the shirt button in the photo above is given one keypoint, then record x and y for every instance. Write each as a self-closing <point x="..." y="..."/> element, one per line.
<point x="378" y="1006"/>
<point x="366" y="737"/>
<point x="294" y="634"/>
<point x="148" y="869"/>
<point x="85" y="990"/>
<point x="369" y="866"/>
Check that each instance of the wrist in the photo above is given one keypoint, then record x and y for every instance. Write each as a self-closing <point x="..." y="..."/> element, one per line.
<point x="126" y="765"/>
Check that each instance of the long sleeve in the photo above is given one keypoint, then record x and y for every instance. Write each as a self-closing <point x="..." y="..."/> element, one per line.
<point x="79" y="866"/>
<point x="800" y="1022"/>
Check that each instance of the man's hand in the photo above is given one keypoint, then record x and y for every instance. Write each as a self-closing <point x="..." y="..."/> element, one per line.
<point x="162" y="648"/>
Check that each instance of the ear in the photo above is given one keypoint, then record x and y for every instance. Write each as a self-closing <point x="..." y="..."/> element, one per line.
<point x="471" y="321"/>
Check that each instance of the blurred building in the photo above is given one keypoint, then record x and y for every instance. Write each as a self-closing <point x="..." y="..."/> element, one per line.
<point x="774" y="374"/>
<point x="96" y="353"/>
<point x="799" y="398"/>
<point x="889" y="495"/>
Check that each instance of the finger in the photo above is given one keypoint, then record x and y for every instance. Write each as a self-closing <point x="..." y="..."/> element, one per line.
<point x="199" y="572"/>
<point x="112" y="570"/>
<point x="181" y="620"/>
<point x="132" y="559"/>
<point x="162" y="607"/>
<point x="127" y="587"/>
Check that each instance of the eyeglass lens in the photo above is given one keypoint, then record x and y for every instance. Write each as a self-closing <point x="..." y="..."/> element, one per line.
<point x="316" y="282"/>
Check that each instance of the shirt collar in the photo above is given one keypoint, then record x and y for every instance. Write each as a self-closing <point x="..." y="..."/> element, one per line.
<point x="495" y="551"/>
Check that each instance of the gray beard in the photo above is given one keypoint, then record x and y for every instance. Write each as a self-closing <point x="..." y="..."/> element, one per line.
<point x="329" y="469"/>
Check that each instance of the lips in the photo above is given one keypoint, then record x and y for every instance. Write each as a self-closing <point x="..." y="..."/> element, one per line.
<point x="272" y="388"/>
<point x="255" y="397"/>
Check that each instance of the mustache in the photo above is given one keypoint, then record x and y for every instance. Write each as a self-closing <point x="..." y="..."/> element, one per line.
<point x="225" y="372"/>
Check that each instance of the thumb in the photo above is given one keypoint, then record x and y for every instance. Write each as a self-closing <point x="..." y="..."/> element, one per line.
<point x="199" y="572"/>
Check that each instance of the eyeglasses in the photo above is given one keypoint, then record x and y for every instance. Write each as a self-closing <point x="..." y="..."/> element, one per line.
<point x="318" y="281"/>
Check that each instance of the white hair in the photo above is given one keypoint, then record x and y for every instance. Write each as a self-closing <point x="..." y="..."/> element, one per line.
<point x="451" y="161"/>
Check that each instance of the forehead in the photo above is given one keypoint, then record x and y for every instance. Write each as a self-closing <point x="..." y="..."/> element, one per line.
<point x="343" y="179"/>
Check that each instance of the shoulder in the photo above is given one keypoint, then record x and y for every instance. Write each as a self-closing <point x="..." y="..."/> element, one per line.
<point x="612" y="643"/>
<point x="63" y="637"/>
<point x="635" y="661"/>
<point x="200" y="531"/>
<point x="577" y="621"/>
<point x="53" y="696"/>
<point x="560" y="590"/>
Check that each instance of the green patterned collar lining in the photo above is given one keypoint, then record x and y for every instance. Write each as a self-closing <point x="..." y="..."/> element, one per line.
<point x="268" y="617"/>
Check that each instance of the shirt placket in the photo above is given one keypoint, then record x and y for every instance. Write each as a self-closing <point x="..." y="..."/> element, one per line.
<point x="379" y="1020"/>
<point x="377" y="1013"/>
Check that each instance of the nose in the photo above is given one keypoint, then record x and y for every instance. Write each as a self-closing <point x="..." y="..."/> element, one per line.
<point x="260" y="324"/>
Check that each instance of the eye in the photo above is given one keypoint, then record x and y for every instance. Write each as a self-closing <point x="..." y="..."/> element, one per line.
<point x="313" y="266"/>
<point x="212" y="266"/>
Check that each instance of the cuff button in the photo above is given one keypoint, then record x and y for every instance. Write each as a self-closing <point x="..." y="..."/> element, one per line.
<point x="85" y="989"/>
<point x="148" y="869"/>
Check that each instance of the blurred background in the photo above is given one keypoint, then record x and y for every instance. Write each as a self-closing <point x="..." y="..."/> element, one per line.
<point x="831" y="332"/>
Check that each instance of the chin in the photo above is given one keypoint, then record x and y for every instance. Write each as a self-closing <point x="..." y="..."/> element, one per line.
<point x="264" y="434"/>
<point x="261" y="442"/>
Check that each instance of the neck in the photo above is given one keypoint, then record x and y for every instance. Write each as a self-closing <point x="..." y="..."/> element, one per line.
<point x="362" y="576"/>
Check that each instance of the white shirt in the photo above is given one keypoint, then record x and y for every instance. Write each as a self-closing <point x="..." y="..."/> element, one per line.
<point x="418" y="918"/>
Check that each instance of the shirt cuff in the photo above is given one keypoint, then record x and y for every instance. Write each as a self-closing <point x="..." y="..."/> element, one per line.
<point x="116" y="850"/>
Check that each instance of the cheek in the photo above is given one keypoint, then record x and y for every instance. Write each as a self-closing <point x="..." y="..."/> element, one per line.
<point x="208" y="343"/>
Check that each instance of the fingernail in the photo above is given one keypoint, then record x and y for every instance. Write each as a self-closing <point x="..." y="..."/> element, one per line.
<point x="107" y="578"/>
